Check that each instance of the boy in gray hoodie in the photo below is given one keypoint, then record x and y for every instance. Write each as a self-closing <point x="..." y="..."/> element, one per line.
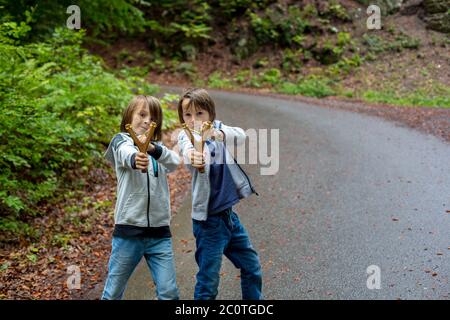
<point x="142" y="213"/>
<point x="217" y="228"/>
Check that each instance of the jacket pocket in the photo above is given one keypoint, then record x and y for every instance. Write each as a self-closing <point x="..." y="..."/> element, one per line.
<point x="134" y="211"/>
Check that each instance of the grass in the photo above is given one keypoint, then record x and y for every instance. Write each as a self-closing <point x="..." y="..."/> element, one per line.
<point x="311" y="87"/>
<point x="434" y="94"/>
<point x="419" y="98"/>
<point x="218" y="81"/>
<point x="320" y="87"/>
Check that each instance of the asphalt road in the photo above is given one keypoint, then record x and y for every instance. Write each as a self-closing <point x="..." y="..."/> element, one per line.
<point x="351" y="191"/>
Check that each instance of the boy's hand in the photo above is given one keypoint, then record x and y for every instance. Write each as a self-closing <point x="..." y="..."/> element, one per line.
<point x="215" y="134"/>
<point x="197" y="159"/>
<point x="141" y="161"/>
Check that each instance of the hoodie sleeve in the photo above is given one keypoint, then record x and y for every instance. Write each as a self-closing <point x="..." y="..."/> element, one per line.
<point x="233" y="134"/>
<point x="184" y="144"/>
<point x="168" y="158"/>
<point x="121" y="152"/>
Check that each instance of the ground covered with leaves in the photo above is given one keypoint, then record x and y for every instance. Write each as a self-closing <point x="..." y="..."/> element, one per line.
<point x="75" y="229"/>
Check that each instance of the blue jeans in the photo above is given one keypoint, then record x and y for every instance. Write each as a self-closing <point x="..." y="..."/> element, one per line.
<point x="225" y="235"/>
<point x="125" y="256"/>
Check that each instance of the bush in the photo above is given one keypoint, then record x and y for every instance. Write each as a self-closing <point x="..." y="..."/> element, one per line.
<point x="58" y="110"/>
<point x="271" y="76"/>
<point x="336" y="10"/>
<point x="402" y="41"/>
<point x="313" y="87"/>
<point x="292" y="60"/>
<point x="217" y="80"/>
<point x="436" y="97"/>
<point x="101" y="17"/>
<point x="232" y="8"/>
<point x="345" y="66"/>
<point x="283" y="26"/>
<point x="180" y="25"/>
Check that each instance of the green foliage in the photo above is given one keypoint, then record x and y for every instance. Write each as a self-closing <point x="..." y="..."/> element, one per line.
<point x="177" y="24"/>
<point x="336" y="10"/>
<point x="263" y="28"/>
<point x="343" y="39"/>
<point x="310" y="11"/>
<point x="187" y="69"/>
<point x="312" y="86"/>
<point x="377" y="44"/>
<point x="189" y="51"/>
<point x="192" y="31"/>
<point x="327" y="53"/>
<point x="157" y="65"/>
<point x="101" y="17"/>
<point x="217" y="80"/>
<point x="271" y="76"/>
<point x="292" y="60"/>
<point x="242" y="76"/>
<point x="11" y="32"/>
<point x="345" y="65"/>
<point x="58" y="108"/>
<point x="261" y="63"/>
<point x="11" y="227"/>
<point x="439" y="97"/>
<point x="109" y="16"/>
<point x="61" y="239"/>
<point x="282" y="25"/>
<point x="170" y="114"/>
<point x="232" y="8"/>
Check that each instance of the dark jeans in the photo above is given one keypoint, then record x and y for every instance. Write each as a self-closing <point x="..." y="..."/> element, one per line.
<point x="224" y="234"/>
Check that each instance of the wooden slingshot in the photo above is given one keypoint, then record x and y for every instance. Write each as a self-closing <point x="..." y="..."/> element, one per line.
<point x="198" y="145"/>
<point x="142" y="146"/>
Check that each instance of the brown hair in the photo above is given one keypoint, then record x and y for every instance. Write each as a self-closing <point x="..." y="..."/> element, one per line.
<point x="199" y="98"/>
<point x="154" y="107"/>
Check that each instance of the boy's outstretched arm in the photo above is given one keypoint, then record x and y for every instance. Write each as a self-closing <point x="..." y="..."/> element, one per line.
<point x="233" y="134"/>
<point x="122" y="152"/>
<point x="184" y="144"/>
<point x="168" y="158"/>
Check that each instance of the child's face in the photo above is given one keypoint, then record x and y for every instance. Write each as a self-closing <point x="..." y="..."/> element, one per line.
<point x="193" y="116"/>
<point x="141" y="119"/>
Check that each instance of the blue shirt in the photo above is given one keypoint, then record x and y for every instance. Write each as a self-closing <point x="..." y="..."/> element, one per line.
<point x="223" y="194"/>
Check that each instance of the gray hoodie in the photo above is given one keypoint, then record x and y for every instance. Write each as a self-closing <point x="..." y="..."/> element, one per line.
<point x="143" y="199"/>
<point x="200" y="181"/>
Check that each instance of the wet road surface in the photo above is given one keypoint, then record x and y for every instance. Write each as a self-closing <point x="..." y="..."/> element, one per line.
<point x="351" y="191"/>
